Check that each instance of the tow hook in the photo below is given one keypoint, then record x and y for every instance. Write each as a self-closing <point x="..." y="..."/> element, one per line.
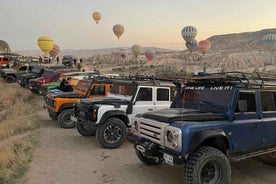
<point x="140" y="148"/>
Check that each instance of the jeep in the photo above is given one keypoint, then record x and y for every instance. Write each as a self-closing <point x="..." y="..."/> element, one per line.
<point x="50" y="75"/>
<point x="11" y="74"/>
<point x="73" y="77"/>
<point x="109" y="117"/>
<point x="218" y="118"/>
<point x="59" y="106"/>
<point x="36" y="71"/>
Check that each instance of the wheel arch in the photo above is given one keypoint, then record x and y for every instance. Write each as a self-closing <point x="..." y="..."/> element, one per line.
<point x="66" y="106"/>
<point x="211" y="137"/>
<point x="115" y="114"/>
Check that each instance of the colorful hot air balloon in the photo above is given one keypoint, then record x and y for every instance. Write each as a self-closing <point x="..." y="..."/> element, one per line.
<point x="55" y="51"/>
<point x="269" y="41"/>
<point x="45" y="43"/>
<point x="4" y="47"/>
<point x="191" y="46"/>
<point x="204" y="46"/>
<point x="118" y="30"/>
<point x="123" y="52"/>
<point x="150" y="55"/>
<point x="189" y="33"/>
<point x="136" y="50"/>
<point x="97" y="16"/>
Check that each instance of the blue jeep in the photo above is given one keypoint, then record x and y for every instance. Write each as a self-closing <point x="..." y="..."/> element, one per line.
<point x="218" y="118"/>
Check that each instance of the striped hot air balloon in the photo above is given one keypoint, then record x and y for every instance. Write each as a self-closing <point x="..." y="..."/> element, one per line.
<point x="269" y="41"/>
<point x="191" y="46"/>
<point x="4" y="47"/>
<point x="189" y="33"/>
<point x="204" y="46"/>
<point x="45" y="43"/>
<point x="55" y="51"/>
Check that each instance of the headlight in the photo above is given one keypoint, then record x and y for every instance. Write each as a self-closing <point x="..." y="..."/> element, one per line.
<point x="54" y="103"/>
<point x="173" y="138"/>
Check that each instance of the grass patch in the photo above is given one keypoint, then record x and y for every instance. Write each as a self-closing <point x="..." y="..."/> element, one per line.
<point x="19" y="116"/>
<point x="15" y="157"/>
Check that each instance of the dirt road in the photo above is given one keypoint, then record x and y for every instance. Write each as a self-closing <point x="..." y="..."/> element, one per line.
<point x="66" y="157"/>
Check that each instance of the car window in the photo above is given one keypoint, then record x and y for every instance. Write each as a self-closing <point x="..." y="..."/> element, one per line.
<point x="246" y="102"/>
<point x="163" y="94"/>
<point x="268" y="100"/>
<point x="144" y="94"/>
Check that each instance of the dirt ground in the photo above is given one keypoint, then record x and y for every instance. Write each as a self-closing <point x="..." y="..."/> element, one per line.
<point x="66" y="157"/>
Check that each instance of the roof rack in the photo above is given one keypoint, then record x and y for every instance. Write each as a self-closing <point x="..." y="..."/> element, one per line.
<point x="243" y="79"/>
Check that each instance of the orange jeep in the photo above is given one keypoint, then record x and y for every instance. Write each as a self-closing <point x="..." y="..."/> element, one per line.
<point x="60" y="105"/>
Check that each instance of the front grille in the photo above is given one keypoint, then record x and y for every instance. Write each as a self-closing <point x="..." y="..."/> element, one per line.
<point x="33" y="85"/>
<point x="152" y="131"/>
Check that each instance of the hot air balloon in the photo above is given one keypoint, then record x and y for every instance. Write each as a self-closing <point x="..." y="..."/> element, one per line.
<point x="191" y="46"/>
<point x="189" y="33"/>
<point x="55" y="51"/>
<point x="118" y="30"/>
<point x="97" y="16"/>
<point x="269" y="41"/>
<point x="45" y="43"/>
<point x="4" y="47"/>
<point x="136" y="50"/>
<point x="150" y="55"/>
<point x="123" y="52"/>
<point x="204" y="46"/>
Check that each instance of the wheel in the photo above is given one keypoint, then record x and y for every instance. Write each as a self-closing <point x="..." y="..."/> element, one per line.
<point x="10" y="79"/>
<point x="112" y="133"/>
<point x="64" y="120"/>
<point x="151" y="161"/>
<point x="53" y="115"/>
<point x="207" y="165"/>
<point x="84" y="131"/>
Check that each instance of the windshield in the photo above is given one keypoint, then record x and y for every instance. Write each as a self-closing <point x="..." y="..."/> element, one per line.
<point x="211" y="98"/>
<point x="48" y="73"/>
<point x="36" y="70"/>
<point x="124" y="89"/>
<point x="83" y="86"/>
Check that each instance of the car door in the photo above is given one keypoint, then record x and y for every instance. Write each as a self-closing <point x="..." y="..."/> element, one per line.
<point x="144" y="100"/>
<point x="162" y="98"/>
<point x="268" y="107"/>
<point x="246" y="128"/>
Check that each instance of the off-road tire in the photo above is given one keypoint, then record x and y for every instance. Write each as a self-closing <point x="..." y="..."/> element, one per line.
<point x="112" y="133"/>
<point x="10" y="79"/>
<point x="83" y="131"/>
<point x="64" y="120"/>
<point x="207" y="165"/>
<point x="52" y="115"/>
<point x="148" y="161"/>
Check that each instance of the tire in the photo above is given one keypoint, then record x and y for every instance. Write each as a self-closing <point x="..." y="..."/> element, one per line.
<point x="85" y="132"/>
<point x="53" y="115"/>
<point x="148" y="161"/>
<point x="10" y="79"/>
<point x="112" y="133"/>
<point x="207" y="165"/>
<point x="64" y="120"/>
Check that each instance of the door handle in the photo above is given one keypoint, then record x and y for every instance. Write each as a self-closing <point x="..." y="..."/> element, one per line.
<point x="150" y="109"/>
<point x="257" y="126"/>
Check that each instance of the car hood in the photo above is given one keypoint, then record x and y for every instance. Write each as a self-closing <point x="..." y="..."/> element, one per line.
<point x="38" y="79"/>
<point x="67" y="95"/>
<point x="105" y="101"/>
<point x="180" y="114"/>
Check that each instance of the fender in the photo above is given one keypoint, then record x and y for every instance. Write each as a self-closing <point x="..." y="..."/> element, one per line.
<point x="66" y="106"/>
<point x="202" y="135"/>
<point x="113" y="113"/>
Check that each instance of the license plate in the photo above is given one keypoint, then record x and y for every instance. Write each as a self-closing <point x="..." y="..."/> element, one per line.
<point x="168" y="159"/>
<point x="73" y="118"/>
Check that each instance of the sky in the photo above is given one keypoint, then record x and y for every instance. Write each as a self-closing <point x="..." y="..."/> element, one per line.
<point x="149" y="23"/>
